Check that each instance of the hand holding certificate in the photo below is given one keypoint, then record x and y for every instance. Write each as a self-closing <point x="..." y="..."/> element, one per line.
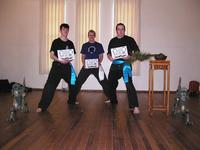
<point x="119" y="52"/>
<point x="66" y="54"/>
<point x="91" y="63"/>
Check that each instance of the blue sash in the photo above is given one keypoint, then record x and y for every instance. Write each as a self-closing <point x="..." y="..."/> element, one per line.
<point x="127" y="71"/>
<point x="118" y="62"/>
<point x="73" y="75"/>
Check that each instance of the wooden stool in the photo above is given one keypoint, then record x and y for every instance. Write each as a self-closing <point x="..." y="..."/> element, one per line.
<point x="165" y="66"/>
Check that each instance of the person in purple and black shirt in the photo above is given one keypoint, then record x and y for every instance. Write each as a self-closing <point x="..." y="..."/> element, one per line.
<point x="90" y="51"/>
<point x="120" y="68"/>
<point x="60" y="69"/>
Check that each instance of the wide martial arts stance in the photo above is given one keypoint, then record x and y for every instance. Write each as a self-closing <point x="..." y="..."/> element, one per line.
<point x="119" y="50"/>
<point x="62" y="52"/>
<point x="92" y="56"/>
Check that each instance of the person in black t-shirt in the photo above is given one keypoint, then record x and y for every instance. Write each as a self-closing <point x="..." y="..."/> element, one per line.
<point x="120" y="68"/>
<point x="61" y="68"/>
<point x="92" y="56"/>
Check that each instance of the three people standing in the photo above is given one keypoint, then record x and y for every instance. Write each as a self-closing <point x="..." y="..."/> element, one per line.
<point x="92" y="56"/>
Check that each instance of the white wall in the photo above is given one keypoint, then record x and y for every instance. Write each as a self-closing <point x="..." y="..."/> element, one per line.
<point x="19" y="40"/>
<point x="171" y="27"/>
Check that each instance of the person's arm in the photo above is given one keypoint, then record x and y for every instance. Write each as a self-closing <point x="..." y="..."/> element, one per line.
<point x="83" y="59"/>
<point x="101" y="52"/>
<point x="109" y="52"/>
<point x="134" y="46"/>
<point x="110" y="57"/>
<point x="83" y="54"/>
<point x="73" y="47"/>
<point x="127" y="57"/>
<point x="52" y="53"/>
<point x="100" y="58"/>
<point x="52" y="56"/>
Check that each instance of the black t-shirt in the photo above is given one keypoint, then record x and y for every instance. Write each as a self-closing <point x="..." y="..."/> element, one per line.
<point x="58" y="44"/>
<point x="124" y="41"/>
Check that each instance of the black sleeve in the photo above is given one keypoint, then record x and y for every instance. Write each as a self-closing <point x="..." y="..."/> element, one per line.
<point x="73" y="48"/>
<point x="133" y="45"/>
<point x="83" y="49"/>
<point x="109" y="47"/>
<point x="101" y="51"/>
<point x="53" y="46"/>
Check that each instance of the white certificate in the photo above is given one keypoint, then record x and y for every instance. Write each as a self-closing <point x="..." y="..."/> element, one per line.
<point x="119" y="52"/>
<point x="91" y="63"/>
<point x="66" y="54"/>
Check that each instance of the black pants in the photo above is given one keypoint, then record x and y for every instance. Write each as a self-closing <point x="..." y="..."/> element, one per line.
<point x="115" y="73"/>
<point x="85" y="73"/>
<point x="57" y="72"/>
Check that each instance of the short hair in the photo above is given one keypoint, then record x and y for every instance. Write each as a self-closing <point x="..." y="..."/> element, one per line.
<point x="120" y="24"/>
<point x="92" y="31"/>
<point x="64" y="25"/>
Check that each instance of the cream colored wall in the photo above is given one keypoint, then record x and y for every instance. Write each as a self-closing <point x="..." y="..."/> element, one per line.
<point x="19" y="41"/>
<point x="171" y="27"/>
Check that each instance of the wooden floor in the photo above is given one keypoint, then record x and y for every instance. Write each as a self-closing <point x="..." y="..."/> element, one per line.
<point x="93" y="125"/>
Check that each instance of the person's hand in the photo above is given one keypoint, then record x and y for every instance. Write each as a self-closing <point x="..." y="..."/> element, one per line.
<point x="127" y="57"/>
<point x="64" y="61"/>
<point x="110" y="58"/>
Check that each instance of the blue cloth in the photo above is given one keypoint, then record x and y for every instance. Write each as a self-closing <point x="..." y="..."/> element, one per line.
<point x="73" y="75"/>
<point x="92" y="50"/>
<point x="127" y="71"/>
<point x="118" y="62"/>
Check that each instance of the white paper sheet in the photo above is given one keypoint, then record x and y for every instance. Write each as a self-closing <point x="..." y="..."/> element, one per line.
<point x="91" y="63"/>
<point x="119" y="52"/>
<point x="66" y="54"/>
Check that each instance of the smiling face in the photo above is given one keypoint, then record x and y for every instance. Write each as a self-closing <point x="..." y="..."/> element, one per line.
<point x="91" y="36"/>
